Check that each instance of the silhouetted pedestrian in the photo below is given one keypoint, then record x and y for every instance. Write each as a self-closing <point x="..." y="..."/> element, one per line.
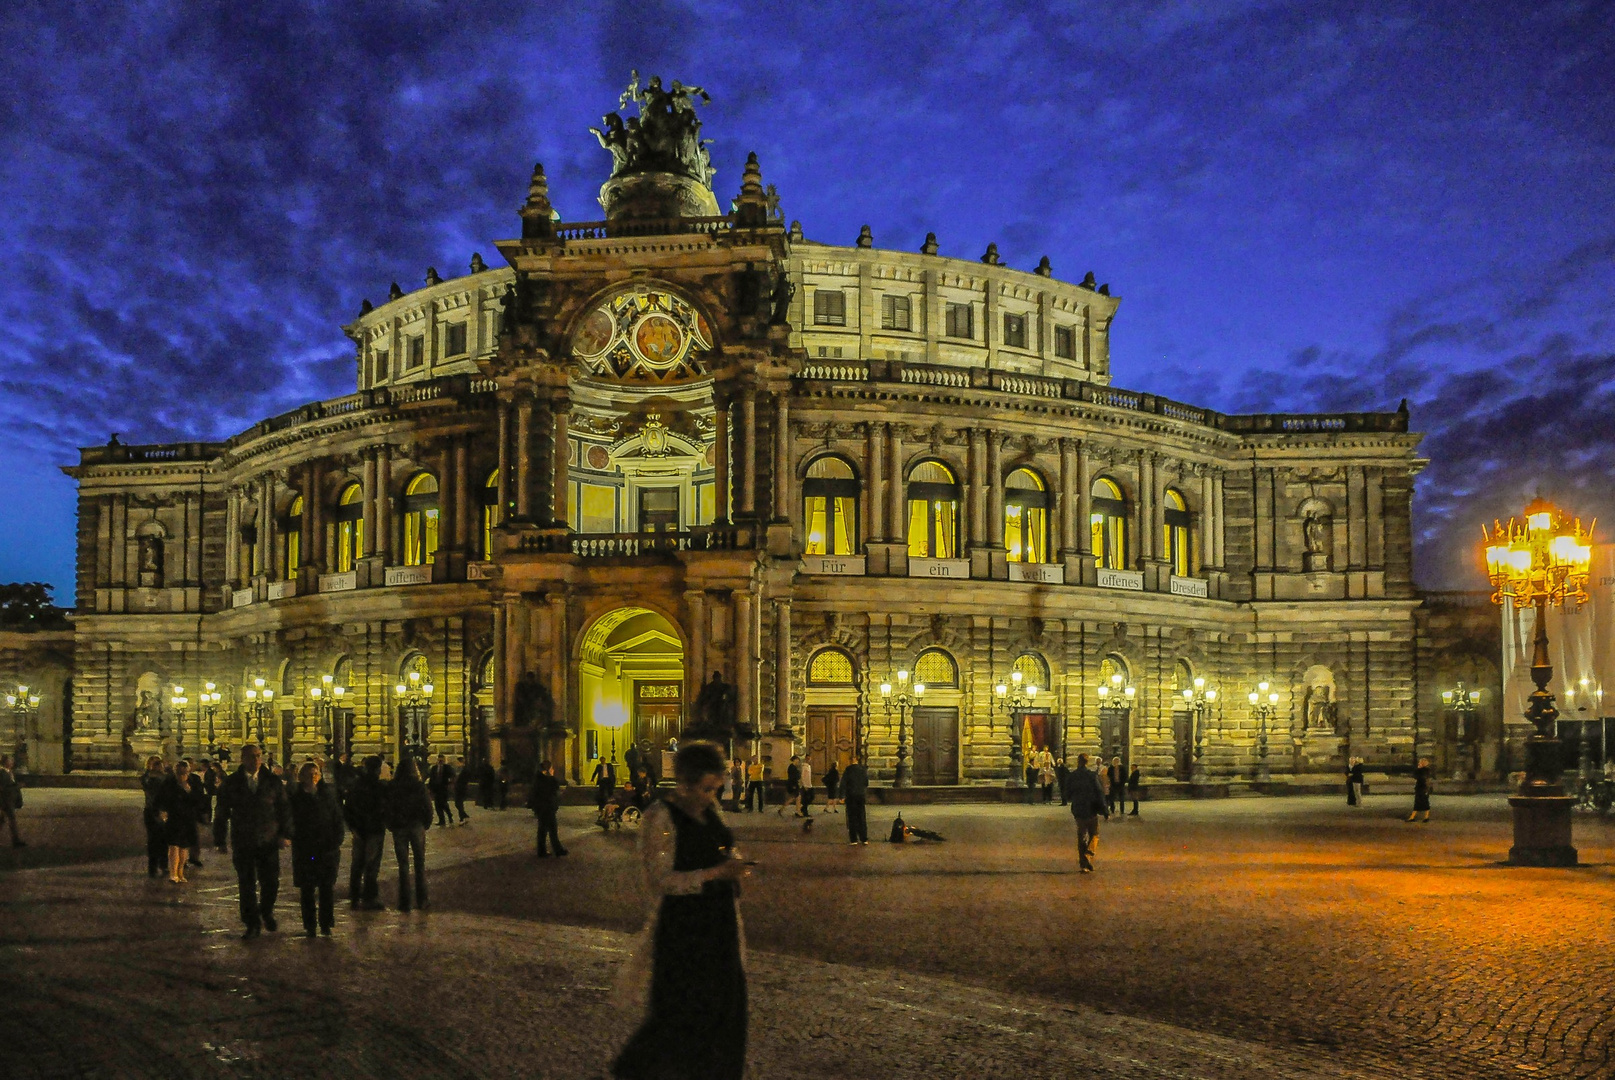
<point x="255" y="815"/>
<point x="10" y="799"/>
<point x="462" y="784"/>
<point x="177" y="810"/>
<point x="317" y="836"/>
<point x="409" y="812"/>
<point x="151" y="785"/>
<point x="366" y="813"/>
<point x="1087" y="800"/>
<point x="1135" y="785"/>
<point x="1421" y="790"/>
<point x="1061" y="771"/>
<point x="832" y="788"/>
<point x="440" y="782"/>
<point x="855" y="793"/>
<point x="544" y="800"/>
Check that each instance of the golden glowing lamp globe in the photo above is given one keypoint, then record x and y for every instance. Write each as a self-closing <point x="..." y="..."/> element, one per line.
<point x="1545" y="557"/>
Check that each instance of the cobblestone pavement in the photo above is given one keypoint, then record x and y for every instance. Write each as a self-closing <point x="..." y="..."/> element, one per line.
<point x="1250" y="938"/>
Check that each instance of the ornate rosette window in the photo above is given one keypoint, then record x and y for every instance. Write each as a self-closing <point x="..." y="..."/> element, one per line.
<point x="644" y="335"/>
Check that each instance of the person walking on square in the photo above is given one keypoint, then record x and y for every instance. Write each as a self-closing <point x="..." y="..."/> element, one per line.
<point x="151" y="785"/>
<point x="1061" y="772"/>
<point x="544" y="800"/>
<point x="10" y="799"/>
<point x="1135" y="784"/>
<point x="1356" y="783"/>
<point x="1116" y="786"/>
<point x="177" y="811"/>
<point x="1086" y="797"/>
<point x="440" y="781"/>
<point x="203" y="797"/>
<point x="1421" y="791"/>
<point x="409" y="814"/>
<point x="1351" y="782"/>
<point x="1045" y="776"/>
<point x="253" y="822"/>
<point x="793" y="786"/>
<point x="1102" y="776"/>
<point x="605" y="782"/>
<point x="832" y="788"/>
<point x="804" y="790"/>
<point x="317" y="836"/>
<point x="695" y="1014"/>
<point x="366" y="814"/>
<point x="855" y="793"/>
<point x="462" y="784"/>
<point x="754" y="784"/>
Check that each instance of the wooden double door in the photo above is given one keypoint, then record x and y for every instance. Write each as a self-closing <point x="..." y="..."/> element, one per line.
<point x="935" y="745"/>
<point x="658" y="716"/>
<point x="832" y="735"/>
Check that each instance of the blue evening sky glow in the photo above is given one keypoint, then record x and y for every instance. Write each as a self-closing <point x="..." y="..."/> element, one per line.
<point x="1304" y="206"/>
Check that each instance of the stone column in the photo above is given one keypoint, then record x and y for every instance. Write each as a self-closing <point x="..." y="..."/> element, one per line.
<point x="745" y="657"/>
<point x="1084" y="502"/>
<point x="875" y="526"/>
<point x="501" y="663"/>
<point x="382" y="545"/>
<point x="695" y="635"/>
<point x="560" y="459"/>
<point x="1207" y="501"/>
<point x="897" y="525"/>
<point x="447" y="497"/>
<point x="782" y="664"/>
<point x="720" y="457"/>
<point x="1067" y="514"/>
<point x="368" y="502"/>
<point x="782" y="456"/>
<point x="504" y="461"/>
<point x="266" y="525"/>
<point x="524" y="457"/>
<point x="748" y="441"/>
<point x="232" y="540"/>
<point x="1218" y="531"/>
<point x="1146" y="507"/>
<point x="462" y="495"/>
<point x="313" y="538"/>
<point x="995" y="490"/>
<point x="976" y="491"/>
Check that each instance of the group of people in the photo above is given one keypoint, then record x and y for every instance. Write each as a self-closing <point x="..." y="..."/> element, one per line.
<point x="1050" y="775"/>
<point x="260" y="810"/>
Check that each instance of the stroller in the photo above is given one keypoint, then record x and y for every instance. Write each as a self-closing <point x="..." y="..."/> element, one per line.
<point x="622" y="808"/>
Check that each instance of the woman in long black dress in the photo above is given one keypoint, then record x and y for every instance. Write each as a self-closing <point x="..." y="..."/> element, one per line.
<point x="317" y="835"/>
<point x="695" y="1018"/>
<point x="1421" y="790"/>
<point x="176" y="810"/>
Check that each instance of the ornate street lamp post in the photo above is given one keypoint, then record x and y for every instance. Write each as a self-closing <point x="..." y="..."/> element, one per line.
<point x="327" y="700"/>
<point x="24" y="705"/>
<point x="260" y="702"/>
<point x="1541" y="561"/>
<point x="178" y="702"/>
<point x="1119" y="694"/>
<point x="905" y="698"/>
<point x="207" y="711"/>
<point x="1199" y="698"/>
<point x="1265" y="707"/>
<point x="1014" y="699"/>
<point x="1461" y="702"/>
<point x="415" y="699"/>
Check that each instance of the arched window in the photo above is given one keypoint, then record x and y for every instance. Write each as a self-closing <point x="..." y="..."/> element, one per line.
<point x="830" y="667"/>
<point x="1179" y="552"/>
<point x="420" y="520"/>
<point x="830" y="507"/>
<point x="1033" y="671"/>
<point x="493" y="514"/>
<point x="1026" y="517"/>
<point x="1107" y="520"/>
<point x="1182" y="678"/>
<point x="291" y="539"/>
<point x="349" y="528"/>
<point x="936" y="669"/>
<point x="1113" y="675"/>
<point x="933" y="512"/>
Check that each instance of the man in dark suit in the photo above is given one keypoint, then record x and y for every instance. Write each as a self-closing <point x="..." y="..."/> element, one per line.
<point x="544" y="800"/>
<point x="1087" y="801"/>
<point x="254" y="814"/>
<point x="855" y="795"/>
<point x="439" y="782"/>
<point x="462" y="784"/>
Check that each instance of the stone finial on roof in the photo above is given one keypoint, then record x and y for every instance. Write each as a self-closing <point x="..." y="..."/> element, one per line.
<point x="795" y="232"/>
<point x="1043" y="268"/>
<point x="929" y="247"/>
<point x="751" y="208"/>
<point x="1087" y="281"/>
<point x="366" y="307"/>
<point x="477" y="265"/>
<point x="395" y="292"/>
<point x="432" y="277"/>
<point x="990" y="256"/>
<point x="866" y="239"/>
<point x="537" y="215"/>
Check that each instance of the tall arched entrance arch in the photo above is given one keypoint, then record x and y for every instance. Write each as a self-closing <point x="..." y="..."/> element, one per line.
<point x="630" y="687"/>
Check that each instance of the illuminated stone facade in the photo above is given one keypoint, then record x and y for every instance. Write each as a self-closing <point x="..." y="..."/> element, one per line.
<point x="649" y="449"/>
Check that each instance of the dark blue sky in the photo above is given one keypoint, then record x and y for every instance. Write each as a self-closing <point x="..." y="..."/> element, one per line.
<point x="1303" y="206"/>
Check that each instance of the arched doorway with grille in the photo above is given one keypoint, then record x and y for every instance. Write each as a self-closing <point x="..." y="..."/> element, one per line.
<point x="630" y="678"/>
<point x="834" y="733"/>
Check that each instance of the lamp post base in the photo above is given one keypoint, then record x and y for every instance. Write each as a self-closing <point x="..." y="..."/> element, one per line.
<point x="1542" y="830"/>
<point x="901" y="779"/>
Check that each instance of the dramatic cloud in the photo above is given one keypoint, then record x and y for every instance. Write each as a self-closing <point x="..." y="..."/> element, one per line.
<point x="1304" y="206"/>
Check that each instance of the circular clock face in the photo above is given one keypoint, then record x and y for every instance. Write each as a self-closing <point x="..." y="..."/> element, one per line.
<point x="598" y="457"/>
<point x="659" y="340"/>
<point x="595" y="333"/>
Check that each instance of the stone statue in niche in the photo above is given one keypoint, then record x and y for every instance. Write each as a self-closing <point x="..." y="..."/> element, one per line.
<point x="1315" y="534"/>
<point x="716" y="704"/>
<point x="1322" y="711"/>
<point x="151" y="562"/>
<point x="534" y="705"/>
<point x="143" y="712"/>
